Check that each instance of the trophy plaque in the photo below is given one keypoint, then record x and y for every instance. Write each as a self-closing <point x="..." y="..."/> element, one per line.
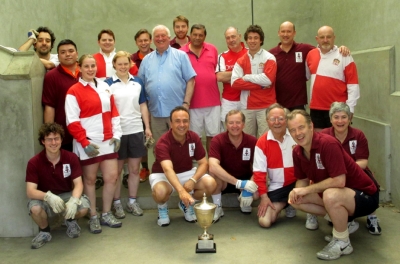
<point x="205" y="213"/>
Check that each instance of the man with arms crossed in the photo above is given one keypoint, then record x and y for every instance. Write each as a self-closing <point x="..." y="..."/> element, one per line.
<point x="254" y="74"/>
<point x="173" y="170"/>
<point x="226" y="62"/>
<point x="340" y="187"/>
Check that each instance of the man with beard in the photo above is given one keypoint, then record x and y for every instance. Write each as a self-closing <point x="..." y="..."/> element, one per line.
<point x="42" y="41"/>
<point x="181" y="27"/>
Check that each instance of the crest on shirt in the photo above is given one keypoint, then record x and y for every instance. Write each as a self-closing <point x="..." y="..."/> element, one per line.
<point x="299" y="57"/>
<point x="336" y="62"/>
<point x="66" y="170"/>
<point x="318" y="160"/>
<point x="353" y="146"/>
<point x="246" y="154"/>
<point x="261" y="65"/>
<point x="192" y="147"/>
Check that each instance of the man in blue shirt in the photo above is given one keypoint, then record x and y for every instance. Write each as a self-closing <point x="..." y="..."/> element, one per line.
<point x="169" y="80"/>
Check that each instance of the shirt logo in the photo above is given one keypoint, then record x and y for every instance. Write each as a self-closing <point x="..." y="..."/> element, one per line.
<point x="246" y="154"/>
<point x="353" y="146"/>
<point x="261" y="65"/>
<point x="318" y="160"/>
<point x="66" y="170"/>
<point x="192" y="147"/>
<point x="336" y="62"/>
<point x="299" y="57"/>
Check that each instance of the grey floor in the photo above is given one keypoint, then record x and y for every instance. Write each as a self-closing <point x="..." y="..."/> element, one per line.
<point x="238" y="237"/>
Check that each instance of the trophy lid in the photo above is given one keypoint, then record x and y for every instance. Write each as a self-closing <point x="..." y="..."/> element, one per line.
<point x="204" y="205"/>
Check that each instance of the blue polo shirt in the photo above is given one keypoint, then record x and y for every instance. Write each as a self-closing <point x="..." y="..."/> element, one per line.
<point x="165" y="77"/>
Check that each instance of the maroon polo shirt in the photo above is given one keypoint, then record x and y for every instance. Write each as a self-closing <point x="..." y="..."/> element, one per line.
<point x="238" y="162"/>
<point x="355" y="143"/>
<point x="176" y="45"/>
<point x="329" y="159"/>
<point x="290" y="84"/>
<point x="55" y="86"/>
<point x="135" y="57"/>
<point x="57" y="179"/>
<point x="181" y="155"/>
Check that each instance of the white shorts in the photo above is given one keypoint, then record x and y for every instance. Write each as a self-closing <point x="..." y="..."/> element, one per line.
<point x="183" y="177"/>
<point x="207" y="119"/>
<point x="227" y="106"/>
<point x="256" y="122"/>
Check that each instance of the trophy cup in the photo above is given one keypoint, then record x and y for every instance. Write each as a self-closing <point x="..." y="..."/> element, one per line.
<point x="205" y="213"/>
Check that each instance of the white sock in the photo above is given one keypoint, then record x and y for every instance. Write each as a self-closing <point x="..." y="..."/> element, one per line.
<point x="162" y="205"/>
<point x="343" y="236"/>
<point x="132" y="200"/>
<point x="117" y="201"/>
<point x="217" y="199"/>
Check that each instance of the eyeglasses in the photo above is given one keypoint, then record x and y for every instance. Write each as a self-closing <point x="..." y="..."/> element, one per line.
<point x="274" y="119"/>
<point x="50" y="140"/>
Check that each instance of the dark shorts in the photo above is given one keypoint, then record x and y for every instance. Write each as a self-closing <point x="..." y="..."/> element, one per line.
<point x="230" y="189"/>
<point x="132" y="146"/>
<point x="320" y="118"/>
<point x="298" y="107"/>
<point x="281" y="194"/>
<point x="365" y="204"/>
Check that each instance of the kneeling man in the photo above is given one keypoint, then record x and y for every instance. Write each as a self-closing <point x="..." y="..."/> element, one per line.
<point x="341" y="188"/>
<point x="273" y="163"/>
<point x="231" y="159"/>
<point x="54" y="185"/>
<point x="172" y="169"/>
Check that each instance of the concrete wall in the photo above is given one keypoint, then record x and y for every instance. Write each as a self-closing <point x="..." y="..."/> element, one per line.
<point x="21" y="81"/>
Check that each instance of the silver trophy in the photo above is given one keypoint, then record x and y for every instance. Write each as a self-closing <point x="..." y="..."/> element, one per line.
<point x="205" y="213"/>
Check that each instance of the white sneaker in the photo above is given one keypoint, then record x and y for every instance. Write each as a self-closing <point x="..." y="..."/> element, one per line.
<point x="188" y="212"/>
<point x="218" y="213"/>
<point x="351" y="226"/>
<point x="335" y="249"/>
<point x="163" y="218"/>
<point x="312" y="222"/>
<point x="244" y="209"/>
<point x="134" y="208"/>
<point x="290" y="211"/>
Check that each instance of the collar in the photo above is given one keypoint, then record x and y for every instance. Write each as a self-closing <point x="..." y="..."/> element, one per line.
<point x="116" y="79"/>
<point x="85" y="83"/>
<point x="67" y="71"/>
<point x="165" y="51"/>
<point x="270" y="135"/>
<point x="332" y="50"/>
<point x="111" y="53"/>
<point x="241" y="44"/>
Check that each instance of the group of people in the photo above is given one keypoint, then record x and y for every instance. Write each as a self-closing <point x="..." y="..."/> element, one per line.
<point x="109" y="103"/>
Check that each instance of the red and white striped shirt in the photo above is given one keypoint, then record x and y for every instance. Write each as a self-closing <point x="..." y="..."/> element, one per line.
<point x="273" y="158"/>
<point x="333" y="79"/>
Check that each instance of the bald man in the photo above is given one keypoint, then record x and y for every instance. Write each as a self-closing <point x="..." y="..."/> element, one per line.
<point x="290" y="86"/>
<point x="333" y="78"/>
<point x="226" y="60"/>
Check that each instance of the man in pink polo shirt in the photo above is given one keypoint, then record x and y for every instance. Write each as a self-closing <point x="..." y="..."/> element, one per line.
<point x="205" y="106"/>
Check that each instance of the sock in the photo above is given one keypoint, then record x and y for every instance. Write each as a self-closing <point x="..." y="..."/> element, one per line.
<point x="163" y="205"/>
<point x="343" y="236"/>
<point x="217" y="199"/>
<point x="93" y="216"/>
<point x="132" y="200"/>
<point x="117" y="201"/>
<point x="103" y="214"/>
<point x="145" y="165"/>
<point x="371" y="216"/>
<point x="46" y="229"/>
